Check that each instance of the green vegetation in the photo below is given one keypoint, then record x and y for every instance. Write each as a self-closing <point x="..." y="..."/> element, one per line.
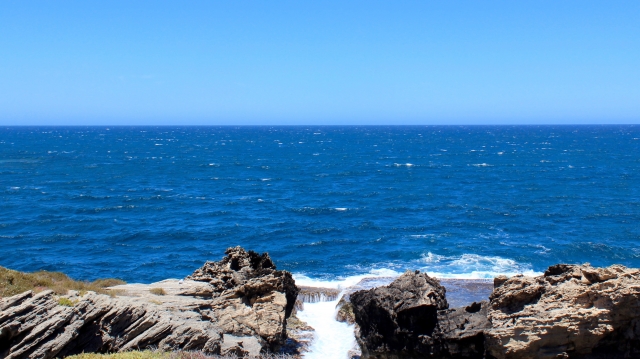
<point x="14" y="282"/>
<point x="67" y="302"/>
<point x="157" y="291"/>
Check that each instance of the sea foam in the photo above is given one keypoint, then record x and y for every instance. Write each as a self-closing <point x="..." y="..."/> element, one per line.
<point x="332" y="339"/>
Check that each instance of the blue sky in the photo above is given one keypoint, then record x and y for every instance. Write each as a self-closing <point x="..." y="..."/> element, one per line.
<point x="326" y="62"/>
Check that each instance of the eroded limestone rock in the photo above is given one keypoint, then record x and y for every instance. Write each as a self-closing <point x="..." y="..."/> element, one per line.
<point x="570" y="312"/>
<point x="249" y="296"/>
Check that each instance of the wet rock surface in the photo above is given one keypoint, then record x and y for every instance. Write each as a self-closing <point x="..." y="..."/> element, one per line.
<point x="315" y="294"/>
<point x="239" y="305"/>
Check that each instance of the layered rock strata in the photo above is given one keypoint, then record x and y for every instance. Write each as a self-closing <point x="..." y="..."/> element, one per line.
<point x="38" y="326"/>
<point x="239" y="305"/>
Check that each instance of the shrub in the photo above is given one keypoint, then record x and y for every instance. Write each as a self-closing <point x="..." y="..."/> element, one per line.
<point x="157" y="291"/>
<point x="66" y="302"/>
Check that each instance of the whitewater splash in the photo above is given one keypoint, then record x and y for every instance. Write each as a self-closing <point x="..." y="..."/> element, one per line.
<point x="464" y="266"/>
<point x="472" y="266"/>
<point x="333" y="339"/>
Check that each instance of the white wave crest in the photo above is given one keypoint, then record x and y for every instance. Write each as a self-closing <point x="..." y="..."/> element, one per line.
<point x="473" y="266"/>
<point x="431" y="258"/>
<point x="344" y="282"/>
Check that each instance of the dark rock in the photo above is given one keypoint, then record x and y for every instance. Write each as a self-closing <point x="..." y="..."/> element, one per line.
<point x="463" y="330"/>
<point x="400" y="320"/>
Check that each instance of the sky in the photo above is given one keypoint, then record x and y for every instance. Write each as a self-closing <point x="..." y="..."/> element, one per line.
<point x="319" y="62"/>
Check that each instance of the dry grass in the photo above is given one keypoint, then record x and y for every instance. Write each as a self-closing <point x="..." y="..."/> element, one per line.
<point x="157" y="291"/>
<point x="14" y="282"/>
<point x="148" y="354"/>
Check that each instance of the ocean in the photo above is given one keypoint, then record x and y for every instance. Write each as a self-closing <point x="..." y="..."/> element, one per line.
<point x="329" y="203"/>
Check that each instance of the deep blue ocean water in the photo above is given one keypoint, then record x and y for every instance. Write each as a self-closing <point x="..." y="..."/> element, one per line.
<point x="149" y="203"/>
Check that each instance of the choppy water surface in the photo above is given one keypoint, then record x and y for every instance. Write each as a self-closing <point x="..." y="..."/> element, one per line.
<point x="147" y="203"/>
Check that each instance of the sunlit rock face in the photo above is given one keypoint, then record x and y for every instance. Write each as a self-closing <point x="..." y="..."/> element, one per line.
<point x="250" y="297"/>
<point x="570" y="312"/>
<point x="238" y="305"/>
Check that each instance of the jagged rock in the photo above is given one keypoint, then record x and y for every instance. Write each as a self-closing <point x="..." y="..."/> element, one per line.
<point x="249" y="296"/>
<point x="299" y="337"/>
<point x="499" y="280"/>
<point x="570" y="312"/>
<point x="400" y="320"/>
<point x="410" y="318"/>
<point x="344" y="312"/>
<point x="38" y="326"/>
<point x="463" y="330"/>
<point x="236" y="306"/>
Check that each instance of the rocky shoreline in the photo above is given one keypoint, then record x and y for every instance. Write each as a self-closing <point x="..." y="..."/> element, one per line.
<point x="238" y="306"/>
<point x="571" y="311"/>
<point x="243" y="306"/>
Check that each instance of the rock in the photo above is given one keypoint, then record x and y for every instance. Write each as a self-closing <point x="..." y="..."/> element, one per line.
<point x="38" y="326"/>
<point x="463" y="330"/>
<point x="499" y="280"/>
<point x="249" y="296"/>
<point x="345" y="311"/>
<point x="299" y="337"/>
<point x="570" y="312"/>
<point x="400" y="320"/>
<point x="238" y="306"/>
